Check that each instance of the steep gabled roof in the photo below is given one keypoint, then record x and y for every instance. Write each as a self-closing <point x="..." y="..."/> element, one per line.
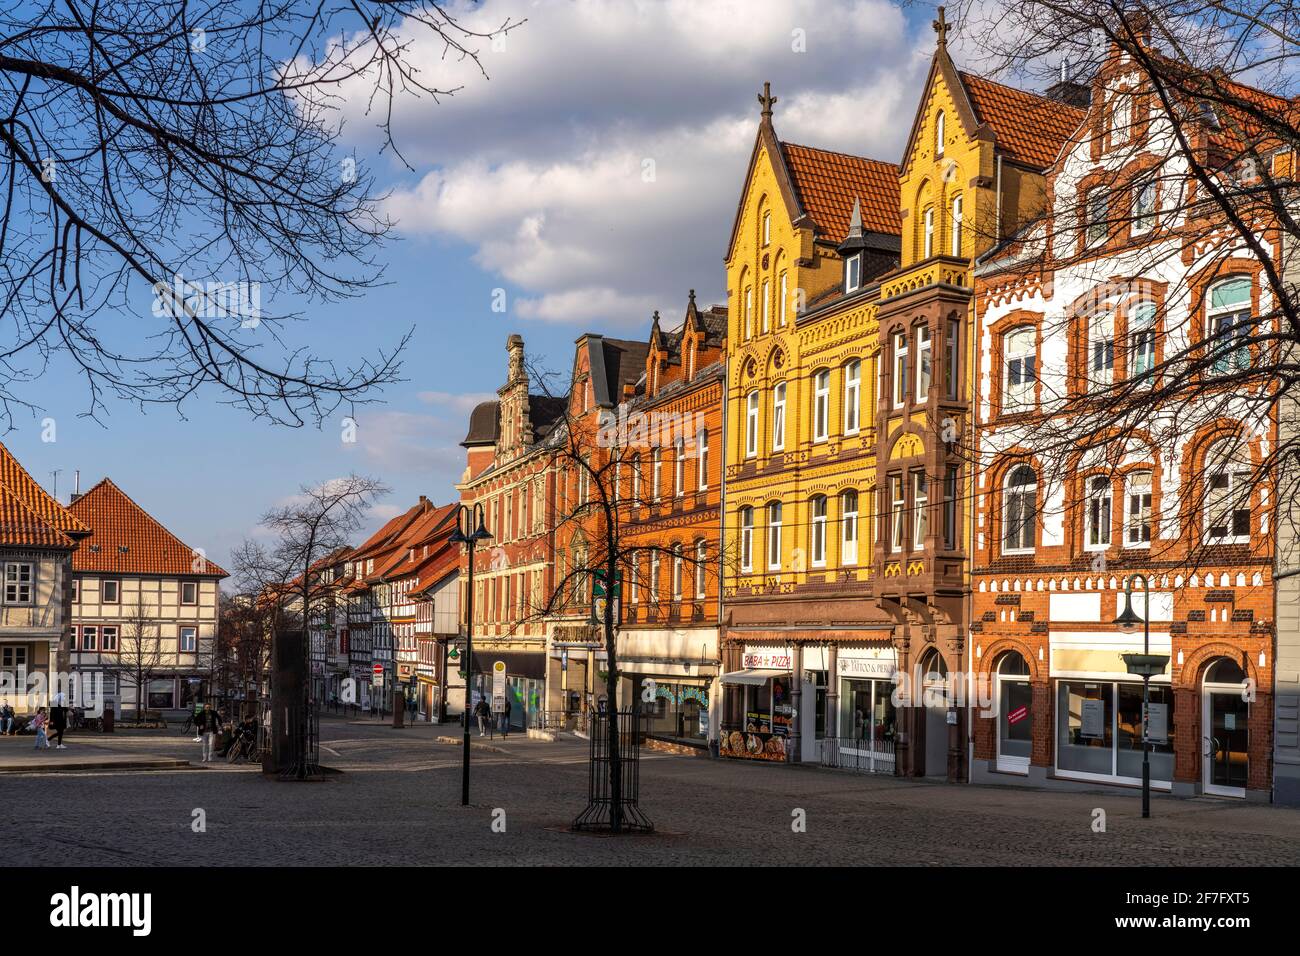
<point x="433" y="524"/>
<point x="22" y="527"/>
<point x="1030" y="129"/>
<point x="828" y="183"/>
<point x="119" y="523"/>
<point x="35" y="499"/>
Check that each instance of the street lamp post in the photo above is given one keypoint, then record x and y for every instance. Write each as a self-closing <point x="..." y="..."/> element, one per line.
<point x="1146" y="665"/>
<point x="467" y="534"/>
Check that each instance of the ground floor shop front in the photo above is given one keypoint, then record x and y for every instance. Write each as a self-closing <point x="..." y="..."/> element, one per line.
<point x="671" y="676"/>
<point x="1068" y="712"/>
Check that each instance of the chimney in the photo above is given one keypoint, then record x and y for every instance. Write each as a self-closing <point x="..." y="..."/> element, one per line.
<point x="1069" y="90"/>
<point x="76" y="486"/>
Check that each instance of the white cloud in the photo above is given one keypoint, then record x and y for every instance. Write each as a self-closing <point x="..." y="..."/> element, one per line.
<point x="597" y="171"/>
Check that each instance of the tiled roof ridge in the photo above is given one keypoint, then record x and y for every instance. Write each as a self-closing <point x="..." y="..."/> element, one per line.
<point x="1047" y="100"/>
<point x="111" y="487"/>
<point x="840" y="152"/>
<point x="47" y="533"/>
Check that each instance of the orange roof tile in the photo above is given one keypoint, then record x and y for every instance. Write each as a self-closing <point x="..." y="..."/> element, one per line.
<point x="118" y="523"/>
<point x="20" y="526"/>
<point x="828" y="182"/>
<point x="1030" y="128"/>
<point x="27" y="490"/>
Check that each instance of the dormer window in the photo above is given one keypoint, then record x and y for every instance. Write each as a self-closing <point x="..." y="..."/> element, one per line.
<point x="853" y="273"/>
<point x="938" y="134"/>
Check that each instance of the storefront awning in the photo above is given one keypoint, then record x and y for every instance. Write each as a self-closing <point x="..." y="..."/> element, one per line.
<point x="751" y="675"/>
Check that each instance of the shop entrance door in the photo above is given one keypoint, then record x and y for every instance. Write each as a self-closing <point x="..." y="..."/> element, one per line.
<point x="1225" y="746"/>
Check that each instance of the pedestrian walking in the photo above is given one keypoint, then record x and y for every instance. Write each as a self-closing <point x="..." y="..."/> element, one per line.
<point x="6" y="720"/>
<point x="38" y="724"/>
<point x="484" y="714"/>
<point x="59" y="719"/>
<point x="209" y="727"/>
<point x="197" y="720"/>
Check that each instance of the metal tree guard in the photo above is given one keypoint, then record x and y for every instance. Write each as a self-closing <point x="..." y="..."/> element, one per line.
<point x="599" y="814"/>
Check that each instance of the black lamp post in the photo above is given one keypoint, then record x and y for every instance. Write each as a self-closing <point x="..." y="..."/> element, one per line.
<point x="1145" y="665"/>
<point x="469" y="536"/>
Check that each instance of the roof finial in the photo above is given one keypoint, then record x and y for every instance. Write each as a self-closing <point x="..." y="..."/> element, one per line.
<point x="941" y="28"/>
<point x="855" y="220"/>
<point x="767" y="100"/>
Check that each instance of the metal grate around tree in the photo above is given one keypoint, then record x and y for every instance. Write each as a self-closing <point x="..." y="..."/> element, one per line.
<point x="603" y="811"/>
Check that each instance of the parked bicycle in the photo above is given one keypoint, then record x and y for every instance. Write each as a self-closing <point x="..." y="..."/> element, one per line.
<point x="244" y="747"/>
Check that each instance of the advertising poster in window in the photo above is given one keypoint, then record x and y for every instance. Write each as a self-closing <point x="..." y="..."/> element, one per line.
<point x="1093" y="719"/>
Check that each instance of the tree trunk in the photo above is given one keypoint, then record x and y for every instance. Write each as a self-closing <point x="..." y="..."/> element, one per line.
<point x="611" y="692"/>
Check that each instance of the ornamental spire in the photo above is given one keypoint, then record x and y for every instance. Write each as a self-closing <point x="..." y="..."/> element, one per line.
<point x="767" y="101"/>
<point x="941" y="27"/>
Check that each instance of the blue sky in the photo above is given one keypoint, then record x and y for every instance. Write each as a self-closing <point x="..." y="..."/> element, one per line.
<point x="534" y="182"/>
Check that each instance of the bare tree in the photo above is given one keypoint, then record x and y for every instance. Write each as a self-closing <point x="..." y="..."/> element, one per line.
<point x="140" y="655"/>
<point x="179" y="162"/>
<point x="596" y="541"/>
<point x="1193" y="137"/>
<point x="287" y="574"/>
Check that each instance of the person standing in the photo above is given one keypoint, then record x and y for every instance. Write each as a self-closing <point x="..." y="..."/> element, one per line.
<point x="484" y="714"/>
<point x="38" y="724"/>
<point x="6" y="720"/>
<point x="209" y="725"/>
<point x="59" y="718"/>
<point x="505" y="716"/>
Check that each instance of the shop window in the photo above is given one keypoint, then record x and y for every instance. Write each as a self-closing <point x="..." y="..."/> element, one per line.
<point x="1128" y="731"/>
<point x="1137" y="509"/>
<point x="1229" y="320"/>
<point x="1097" y="514"/>
<point x="1085" y="736"/>
<point x="1019" y="511"/>
<point x="1227" y="499"/>
<point x="818" y="531"/>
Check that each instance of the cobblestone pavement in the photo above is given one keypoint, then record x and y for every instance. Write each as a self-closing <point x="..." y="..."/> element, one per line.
<point x="397" y="803"/>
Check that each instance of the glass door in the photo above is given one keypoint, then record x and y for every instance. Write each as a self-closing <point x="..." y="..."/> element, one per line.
<point x="1227" y="758"/>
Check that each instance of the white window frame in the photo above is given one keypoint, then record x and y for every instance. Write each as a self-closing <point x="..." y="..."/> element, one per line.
<point x="920" y="509"/>
<point x="751" y="424"/>
<point x="1233" y="471"/>
<point x="821" y="404"/>
<point x="701" y="552"/>
<point x="774" y="535"/>
<point x="1020" y="372"/>
<point x="849" y="527"/>
<point x="1026" y="490"/>
<point x="1101" y="350"/>
<point x="747" y="539"/>
<point x="90" y="631"/>
<point x="852" y="396"/>
<point x="785" y="298"/>
<point x="679" y="466"/>
<point x="897" y="513"/>
<point x="767" y="228"/>
<point x="677" y="573"/>
<point x="103" y="639"/>
<point x="749" y="311"/>
<point x="1232" y="319"/>
<point x="1142" y="342"/>
<point x="1137" y="508"/>
<point x="20" y="583"/>
<point x="702" y="459"/>
<point x="656" y="472"/>
<point x="778" y="416"/>
<point x="1142" y="223"/>
<point x="853" y="273"/>
<point x="940" y="130"/>
<point x="180" y="640"/>
<point x="956" y="225"/>
<point x="767" y="305"/>
<point x="899" y="358"/>
<point x="1099" y="507"/>
<point x="929" y="233"/>
<point x="924" y="363"/>
<point x="817" y="537"/>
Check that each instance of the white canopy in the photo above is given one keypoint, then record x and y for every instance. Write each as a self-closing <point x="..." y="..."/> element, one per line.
<point x="751" y="675"/>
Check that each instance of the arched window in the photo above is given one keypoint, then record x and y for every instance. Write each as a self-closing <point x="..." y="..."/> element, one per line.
<point x="653" y="586"/>
<point x="778" y="416"/>
<point x="1227" y="494"/>
<point x="939" y="131"/>
<point x="1229" y="322"/>
<point x="1101" y="350"/>
<point x="1097" y="514"/>
<point x="928" y="241"/>
<point x="679" y="466"/>
<point x="1020" y="353"/>
<point x="751" y="425"/>
<point x="656" y="473"/>
<point x="766" y="305"/>
<point x="817" y="531"/>
<point x="636" y="479"/>
<point x="677" y="572"/>
<point x="783" y="284"/>
<point x="924" y="363"/>
<point x="774" y="536"/>
<point x="1225" y="671"/>
<point x="1015" y="704"/>
<point x="956" y="225"/>
<point x="747" y="539"/>
<point x="849" y="527"/>
<point x="920" y="510"/>
<point x="748" y="292"/>
<point x="1019" y="510"/>
<point x="634" y="575"/>
<point x="852" y="393"/>
<point x="900" y="369"/>
<point x="1012" y="664"/>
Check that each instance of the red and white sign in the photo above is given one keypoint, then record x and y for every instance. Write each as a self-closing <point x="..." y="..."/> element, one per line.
<point x="1017" y="715"/>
